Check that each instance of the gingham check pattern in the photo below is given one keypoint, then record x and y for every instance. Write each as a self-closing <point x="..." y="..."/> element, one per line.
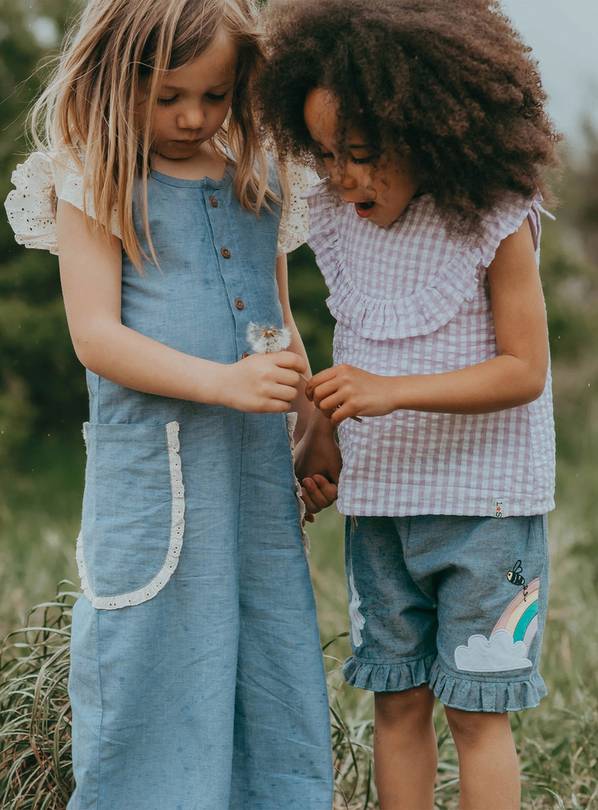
<point x="411" y="300"/>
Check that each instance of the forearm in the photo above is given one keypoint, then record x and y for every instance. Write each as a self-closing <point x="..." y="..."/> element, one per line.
<point x="135" y="361"/>
<point x="302" y="405"/>
<point x="495" y="385"/>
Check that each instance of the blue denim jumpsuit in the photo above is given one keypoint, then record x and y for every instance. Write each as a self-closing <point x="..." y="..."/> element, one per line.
<point x="196" y="679"/>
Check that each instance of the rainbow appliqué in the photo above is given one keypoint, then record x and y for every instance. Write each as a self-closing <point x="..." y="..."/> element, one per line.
<point x="520" y="617"/>
<point x="510" y="641"/>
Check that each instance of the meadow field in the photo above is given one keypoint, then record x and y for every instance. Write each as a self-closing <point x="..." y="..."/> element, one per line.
<point x="39" y="522"/>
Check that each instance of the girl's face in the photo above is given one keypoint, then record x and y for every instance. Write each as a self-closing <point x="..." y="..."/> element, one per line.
<point x="379" y="193"/>
<point x="194" y="100"/>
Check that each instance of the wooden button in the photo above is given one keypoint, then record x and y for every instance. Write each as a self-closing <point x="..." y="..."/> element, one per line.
<point x="245" y="355"/>
<point x="225" y="253"/>
<point x="214" y="202"/>
<point x="239" y="304"/>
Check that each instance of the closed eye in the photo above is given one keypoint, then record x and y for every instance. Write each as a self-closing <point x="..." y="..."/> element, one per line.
<point x="166" y="101"/>
<point x="362" y="160"/>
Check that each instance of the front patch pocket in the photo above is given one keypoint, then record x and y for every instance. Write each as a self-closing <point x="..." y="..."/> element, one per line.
<point x="133" y="513"/>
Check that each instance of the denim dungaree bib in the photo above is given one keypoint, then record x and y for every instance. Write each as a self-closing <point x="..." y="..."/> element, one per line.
<point x="196" y="680"/>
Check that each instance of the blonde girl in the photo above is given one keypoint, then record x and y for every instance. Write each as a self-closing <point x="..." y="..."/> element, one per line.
<point x="196" y="676"/>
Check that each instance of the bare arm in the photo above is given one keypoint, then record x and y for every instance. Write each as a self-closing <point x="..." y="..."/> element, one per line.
<point x="91" y="273"/>
<point x="516" y="376"/>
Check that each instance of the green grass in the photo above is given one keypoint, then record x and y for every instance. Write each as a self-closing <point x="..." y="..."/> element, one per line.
<point x="40" y="503"/>
<point x="39" y="515"/>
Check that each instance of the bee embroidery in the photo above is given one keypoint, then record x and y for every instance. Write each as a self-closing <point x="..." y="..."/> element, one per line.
<point x="515" y="577"/>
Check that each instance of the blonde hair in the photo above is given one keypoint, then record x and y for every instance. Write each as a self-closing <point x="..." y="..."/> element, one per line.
<point x="111" y="63"/>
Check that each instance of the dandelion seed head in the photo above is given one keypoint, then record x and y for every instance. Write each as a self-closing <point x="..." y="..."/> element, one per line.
<point x="268" y="339"/>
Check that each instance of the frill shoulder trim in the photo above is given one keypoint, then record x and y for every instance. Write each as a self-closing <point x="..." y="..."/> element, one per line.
<point x="31" y="205"/>
<point x="294" y="221"/>
<point x="39" y="183"/>
<point x="507" y="219"/>
<point x="428" y="308"/>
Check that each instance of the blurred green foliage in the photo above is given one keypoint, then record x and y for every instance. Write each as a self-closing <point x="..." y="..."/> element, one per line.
<point x="41" y="386"/>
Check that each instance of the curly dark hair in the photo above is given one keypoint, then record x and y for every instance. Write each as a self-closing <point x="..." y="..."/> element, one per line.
<point x="448" y="83"/>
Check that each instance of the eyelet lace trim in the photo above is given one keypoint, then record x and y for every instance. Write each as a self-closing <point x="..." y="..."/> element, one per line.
<point x="177" y="530"/>
<point x="294" y="222"/>
<point x="291" y="425"/>
<point x="31" y="206"/>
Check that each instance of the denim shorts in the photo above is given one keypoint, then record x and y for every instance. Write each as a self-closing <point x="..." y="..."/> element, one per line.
<point x="458" y="603"/>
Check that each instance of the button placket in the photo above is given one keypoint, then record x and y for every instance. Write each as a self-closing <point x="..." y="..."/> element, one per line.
<point x="234" y="280"/>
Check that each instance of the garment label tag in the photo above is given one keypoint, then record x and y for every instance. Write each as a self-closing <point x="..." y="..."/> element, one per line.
<point x="500" y="510"/>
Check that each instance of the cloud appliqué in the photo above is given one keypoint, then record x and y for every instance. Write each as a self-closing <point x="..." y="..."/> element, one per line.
<point x="356" y="616"/>
<point x="499" y="653"/>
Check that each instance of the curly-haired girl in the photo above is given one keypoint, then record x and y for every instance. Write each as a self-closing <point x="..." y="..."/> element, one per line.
<point x="428" y="119"/>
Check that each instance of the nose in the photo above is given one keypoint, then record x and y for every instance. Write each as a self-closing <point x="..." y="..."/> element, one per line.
<point x="192" y="117"/>
<point x="342" y="179"/>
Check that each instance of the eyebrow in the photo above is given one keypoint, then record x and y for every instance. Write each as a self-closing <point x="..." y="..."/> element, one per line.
<point x="349" y="145"/>
<point x="211" y="90"/>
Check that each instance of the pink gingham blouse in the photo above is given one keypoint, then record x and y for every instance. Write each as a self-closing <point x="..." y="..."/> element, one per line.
<point x="412" y="300"/>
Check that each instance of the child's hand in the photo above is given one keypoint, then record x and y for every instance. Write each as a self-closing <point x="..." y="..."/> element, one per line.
<point x="317" y="493"/>
<point x="343" y="392"/>
<point x="264" y="383"/>
<point x="318" y="465"/>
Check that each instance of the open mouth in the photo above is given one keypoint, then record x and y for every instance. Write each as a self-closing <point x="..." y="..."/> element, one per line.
<point x="364" y="209"/>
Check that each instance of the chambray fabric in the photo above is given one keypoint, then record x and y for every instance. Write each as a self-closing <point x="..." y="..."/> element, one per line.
<point x="211" y="694"/>
<point x="458" y="603"/>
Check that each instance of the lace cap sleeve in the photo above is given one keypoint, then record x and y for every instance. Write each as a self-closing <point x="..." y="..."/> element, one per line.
<point x="294" y="222"/>
<point x="39" y="183"/>
<point x="31" y="205"/>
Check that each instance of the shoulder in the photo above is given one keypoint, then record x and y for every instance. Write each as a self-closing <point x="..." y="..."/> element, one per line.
<point x="296" y="182"/>
<point x="31" y="205"/>
<point x="39" y="182"/>
<point x="505" y="219"/>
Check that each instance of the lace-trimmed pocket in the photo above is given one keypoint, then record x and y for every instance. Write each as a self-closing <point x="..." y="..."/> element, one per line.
<point x="133" y="513"/>
<point x="291" y="422"/>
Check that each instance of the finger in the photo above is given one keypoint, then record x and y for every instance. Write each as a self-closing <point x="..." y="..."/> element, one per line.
<point x="341" y="413"/>
<point x="290" y="360"/>
<point x="332" y="402"/>
<point x="328" y="488"/>
<point x="315" y="494"/>
<point x="285" y="376"/>
<point x="284" y="392"/>
<point x="326" y="413"/>
<point x="274" y="406"/>
<point x="309" y="504"/>
<point x="322" y="377"/>
<point x="309" y="518"/>
<point x="325" y="390"/>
